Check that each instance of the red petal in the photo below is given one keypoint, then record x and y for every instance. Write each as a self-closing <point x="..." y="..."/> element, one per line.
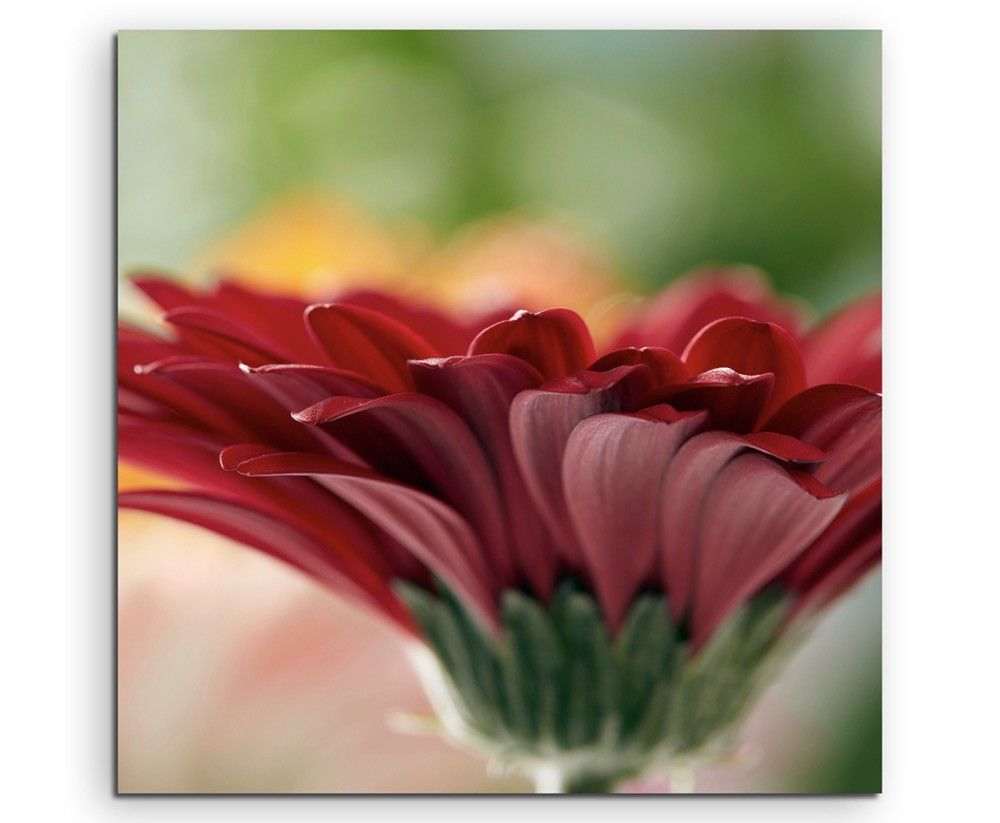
<point x="368" y="343"/>
<point x="750" y="347"/>
<point x="425" y="526"/>
<point x="443" y="332"/>
<point x="215" y="334"/>
<point x="845" y="421"/>
<point x="666" y="366"/>
<point x="735" y="401"/>
<point x="276" y="317"/>
<point x="481" y="389"/>
<point x="847" y="347"/>
<point x="152" y="396"/>
<point x="419" y="440"/>
<point x="785" y="447"/>
<point x="295" y="387"/>
<point x="858" y="522"/>
<point x="556" y="341"/>
<point x="164" y="291"/>
<point x="612" y="473"/>
<point x="849" y="570"/>
<point x="233" y="392"/>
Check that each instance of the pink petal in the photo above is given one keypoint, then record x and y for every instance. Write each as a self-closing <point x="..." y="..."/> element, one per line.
<point x="755" y="519"/>
<point x="686" y="486"/>
<point x="612" y="473"/>
<point x="541" y="421"/>
<point x="556" y="341"/>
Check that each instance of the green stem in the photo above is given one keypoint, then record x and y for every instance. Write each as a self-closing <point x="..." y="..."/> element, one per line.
<point x="591" y="784"/>
<point x="553" y="781"/>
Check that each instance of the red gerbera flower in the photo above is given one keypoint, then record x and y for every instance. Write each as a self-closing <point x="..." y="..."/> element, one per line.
<point x="590" y="543"/>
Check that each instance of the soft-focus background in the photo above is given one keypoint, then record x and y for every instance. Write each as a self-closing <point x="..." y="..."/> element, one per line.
<point x="581" y="165"/>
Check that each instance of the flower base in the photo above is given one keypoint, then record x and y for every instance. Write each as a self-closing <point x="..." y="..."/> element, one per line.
<point x="555" y="697"/>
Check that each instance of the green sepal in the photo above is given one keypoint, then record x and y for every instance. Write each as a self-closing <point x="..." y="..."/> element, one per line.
<point x="555" y="688"/>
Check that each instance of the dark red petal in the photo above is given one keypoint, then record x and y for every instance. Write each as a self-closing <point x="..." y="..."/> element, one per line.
<point x="540" y="424"/>
<point x="280" y="539"/>
<point x="233" y="392"/>
<point x="786" y="448"/>
<point x="612" y="473"/>
<point x="215" y="334"/>
<point x="418" y="439"/>
<point x="556" y="341"/>
<point x="852" y="567"/>
<point x="294" y="387"/>
<point x="143" y="393"/>
<point x="846" y="422"/>
<point x="750" y="347"/>
<point x="858" y="522"/>
<point x="735" y="401"/>
<point x="666" y="366"/>
<point x="278" y="318"/>
<point x="367" y="342"/>
<point x="755" y="519"/>
<point x="480" y="389"/>
<point x="444" y="333"/>
<point x="847" y="346"/>
<point x="428" y="528"/>
<point x="231" y="456"/>
<point x="192" y="457"/>
<point x="685" y="487"/>
<point x="136" y="347"/>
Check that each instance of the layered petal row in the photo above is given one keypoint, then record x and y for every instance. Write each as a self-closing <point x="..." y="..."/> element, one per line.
<point x="719" y="448"/>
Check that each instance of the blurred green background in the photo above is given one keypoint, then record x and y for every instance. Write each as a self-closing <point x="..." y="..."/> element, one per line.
<point x="669" y="148"/>
<point x="672" y="148"/>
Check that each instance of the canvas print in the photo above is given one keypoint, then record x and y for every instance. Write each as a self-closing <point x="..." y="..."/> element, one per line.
<point x="499" y="412"/>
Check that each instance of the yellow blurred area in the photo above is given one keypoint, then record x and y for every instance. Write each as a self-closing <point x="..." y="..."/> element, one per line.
<point x="132" y="477"/>
<point x="304" y="243"/>
<point x="312" y="244"/>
